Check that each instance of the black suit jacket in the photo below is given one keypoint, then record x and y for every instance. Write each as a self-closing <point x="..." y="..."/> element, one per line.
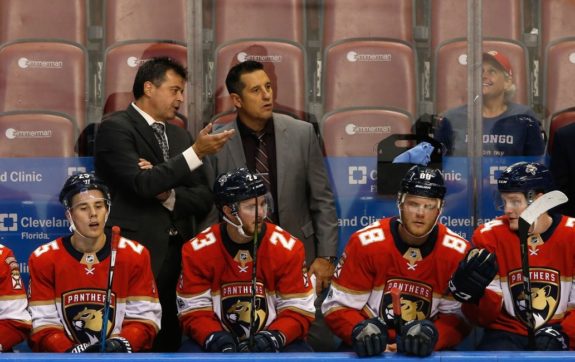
<point x="124" y="137"/>
<point x="562" y="166"/>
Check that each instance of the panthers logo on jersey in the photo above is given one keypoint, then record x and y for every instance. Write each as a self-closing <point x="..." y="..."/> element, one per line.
<point x="237" y="308"/>
<point x="545" y="292"/>
<point x="84" y="314"/>
<point x="416" y="300"/>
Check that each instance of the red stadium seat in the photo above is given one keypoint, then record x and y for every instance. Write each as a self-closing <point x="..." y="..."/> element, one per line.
<point x="369" y="73"/>
<point x="42" y="19"/>
<point x="357" y="131"/>
<point x="121" y="64"/>
<point x="450" y="72"/>
<point x="502" y="19"/>
<point x="144" y="20"/>
<point x="558" y="120"/>
<point x="556" y="21"/>
<point x="558" y="76"/>
<point x="44" y="75"/>
<point x="241" y="19"/>
<point x="36" y="134"/>
<point x="283" y="61"/>
<point x="346" y="19"/>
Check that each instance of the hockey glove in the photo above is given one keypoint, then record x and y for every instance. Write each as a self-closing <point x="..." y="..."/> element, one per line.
<point x="473" y="275"/>
<point x="417" y="338"/>
<point x="113" y="345"/>
<point x="551" y="338"/>
<point x="369" y="337"/>
<point x="221" y="341"/>
<point x="264" y="341"/>
<point x="78" y="348"/>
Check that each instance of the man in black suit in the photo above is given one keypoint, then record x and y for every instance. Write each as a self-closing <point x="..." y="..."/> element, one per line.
<point x="155" y="173"/>
<point x="562" y="166"/>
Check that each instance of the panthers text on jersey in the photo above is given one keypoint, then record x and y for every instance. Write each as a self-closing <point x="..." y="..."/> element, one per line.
<point x="551" y="269"/>
<point x="214" y="291"/>
<point x="68" y="291"/>
<point x="375" y="261"/>
<point x="15" y="320"/>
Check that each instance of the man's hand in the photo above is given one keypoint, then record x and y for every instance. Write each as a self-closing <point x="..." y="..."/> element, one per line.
<point x="144" y="164"/>
<point x="473" y="275"/>
<point x="113" y="345"/>
<point x="208" y="143"/>
<point x="551" y="338"/>
<point x="264" y="341"/>
<point x="417" y="338"/>
<point x="369" y="337"/>
<point x="323" y="271"/>
<point x="221" y="341"/>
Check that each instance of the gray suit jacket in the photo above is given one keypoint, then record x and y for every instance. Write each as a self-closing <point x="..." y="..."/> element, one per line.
<point x="305" y="202"/>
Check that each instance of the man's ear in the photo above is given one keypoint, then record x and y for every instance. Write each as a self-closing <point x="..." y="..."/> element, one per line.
<point x="148" y="88"/>
<point x="237" y="100"/>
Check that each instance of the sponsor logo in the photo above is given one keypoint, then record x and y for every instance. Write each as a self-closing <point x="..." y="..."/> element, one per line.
<point x="357" y="175"/>
<point x="271" y="58"/>
<point x="9" y="222"/>
<point x="353" y="57"/>
<point x="12" y="133"/>
<point x="134" y="62"/>
<point x="46" y="64"/>
<point x="351" y="129"/>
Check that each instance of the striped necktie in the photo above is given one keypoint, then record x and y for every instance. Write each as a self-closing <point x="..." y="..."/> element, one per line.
<point x="262" y="165"/>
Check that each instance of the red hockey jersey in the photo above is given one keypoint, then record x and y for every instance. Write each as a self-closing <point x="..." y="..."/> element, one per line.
<point x="67" y="294"/>
<point x="14" y="318"/>
<point x="551" y="265"/>
<point x="372" y="264"/>
<point x="214" y="291"/>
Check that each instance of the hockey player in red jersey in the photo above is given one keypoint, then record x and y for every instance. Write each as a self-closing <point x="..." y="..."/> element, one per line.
<point x="216" y="306"/>
<point x="501" y="307"/>
<point x="69" y="278"/>
<point x="412" y="253"/>
<point x="14" y="318"/>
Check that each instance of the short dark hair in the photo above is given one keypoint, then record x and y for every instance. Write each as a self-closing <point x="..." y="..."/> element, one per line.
<point x="154" y="70"/>
<point x="233" y="82"/>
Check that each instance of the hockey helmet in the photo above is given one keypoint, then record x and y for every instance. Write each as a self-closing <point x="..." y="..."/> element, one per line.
<point x="237" y="185"/>
<point x="82" y="182"/>
<point x="423" y="181"/>
<point x="526" y="177"/>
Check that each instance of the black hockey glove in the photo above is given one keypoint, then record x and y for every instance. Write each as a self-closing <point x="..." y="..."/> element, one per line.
<point x="369" y="337"/>
<point x="113" y="345"/>
<point x="551" y="338"/>
<point x="78" y="348"/>
<point x="417" y="338"/>
<point x="473" y="275"/>
<point x="264" y="341"/>
<point x="221" y="341"/>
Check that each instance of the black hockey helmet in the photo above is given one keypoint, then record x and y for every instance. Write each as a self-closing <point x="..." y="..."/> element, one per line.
<point x="82" y="182"/>
<point x="237" y="185"/>
<point x="423" y="181"/>
<point x="526" y="177"/>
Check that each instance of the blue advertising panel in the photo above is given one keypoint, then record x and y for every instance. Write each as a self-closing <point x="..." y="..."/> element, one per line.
<point x="354" y="182"/>
<point x="30" y="213"/>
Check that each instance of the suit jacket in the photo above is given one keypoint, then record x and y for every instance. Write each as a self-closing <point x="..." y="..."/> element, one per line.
<point x="124" y="137"/>
<point x="305" y="202"/>
<point x="562" y="166"/>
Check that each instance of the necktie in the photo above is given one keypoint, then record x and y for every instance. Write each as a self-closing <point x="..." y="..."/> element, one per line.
<point x="262" y="165"/>
<point x="161" y="137"/>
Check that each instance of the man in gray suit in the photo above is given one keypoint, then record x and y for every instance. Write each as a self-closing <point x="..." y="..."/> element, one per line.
<point x="295" y="171"/>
